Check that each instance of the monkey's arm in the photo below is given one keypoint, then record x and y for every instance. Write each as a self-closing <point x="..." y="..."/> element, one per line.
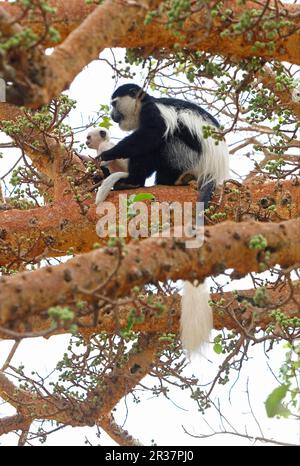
<point x="146" y="139"/>
<point x="85" y="158"/>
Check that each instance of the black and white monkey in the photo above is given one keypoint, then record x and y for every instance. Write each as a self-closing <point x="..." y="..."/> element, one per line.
<point x="167" y="138"/>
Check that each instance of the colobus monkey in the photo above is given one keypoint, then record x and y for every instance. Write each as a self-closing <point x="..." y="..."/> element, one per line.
<point x="168" y="139"/>
<point x="99" y="139"/>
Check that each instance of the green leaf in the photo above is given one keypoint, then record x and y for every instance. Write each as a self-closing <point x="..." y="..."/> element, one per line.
<point x="217" y="348"/>
<point x="143" y="197"/>
<point x="274" y="406"/>
<point x="105" y="123"/>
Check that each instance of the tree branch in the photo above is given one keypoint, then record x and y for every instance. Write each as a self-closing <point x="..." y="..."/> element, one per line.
<point x="25" y="235"/>
<point x="120" y="23"/>
<point x="110" y="320"/>
<point x="98" y="404"/>
<point x="226" y="246"/>
<point x="268" y="78"/>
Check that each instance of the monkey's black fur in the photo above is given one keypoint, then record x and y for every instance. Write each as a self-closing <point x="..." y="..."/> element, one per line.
<point x="152" y="147"/>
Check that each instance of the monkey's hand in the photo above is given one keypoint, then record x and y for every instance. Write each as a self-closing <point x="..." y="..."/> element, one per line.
<point x="108" y="155"/>
<point x="100" y="175"/>
<point x="85" y="158"/>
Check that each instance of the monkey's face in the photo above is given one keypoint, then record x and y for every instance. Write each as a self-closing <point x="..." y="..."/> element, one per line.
<point x="126" y="112"/>
<point x="96" y="137"/>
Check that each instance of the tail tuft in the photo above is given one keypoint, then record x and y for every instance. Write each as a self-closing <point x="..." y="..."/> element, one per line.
<point x="196" y="317"/>
<point x="108" y="184"/>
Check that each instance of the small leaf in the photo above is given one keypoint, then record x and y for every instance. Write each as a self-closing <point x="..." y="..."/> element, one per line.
<point x="105" y="123"/>
<point x="217" y="348"/>
<point x="143" y="197"/>
<point x="274" y="406"/>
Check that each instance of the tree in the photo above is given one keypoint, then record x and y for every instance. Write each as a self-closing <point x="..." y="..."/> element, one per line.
<point x="240" y="60"/>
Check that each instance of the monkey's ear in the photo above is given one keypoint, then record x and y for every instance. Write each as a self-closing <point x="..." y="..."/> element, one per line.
<point x="141" y="94"/>
<point x="103" y="134"/>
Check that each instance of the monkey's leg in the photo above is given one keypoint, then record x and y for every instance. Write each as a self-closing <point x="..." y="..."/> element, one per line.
<point x="205" y="193"/>
<point x="167" y="176"/>
<point x="138" y="170"/>
<point x="185" y="179"/>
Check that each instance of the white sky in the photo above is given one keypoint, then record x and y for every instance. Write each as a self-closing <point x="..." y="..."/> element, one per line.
<point x="160" y="419"/>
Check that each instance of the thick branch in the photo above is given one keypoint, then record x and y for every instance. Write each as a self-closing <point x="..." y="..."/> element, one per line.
<point x="226" y="246"/>
<point x="97" y="405"/>
<point x="53" y="230"/>
<point x="286" y="297"/>
<point x="118" y="23"/>
<point x="117" y="433"/>
<point x="12" y="423"/>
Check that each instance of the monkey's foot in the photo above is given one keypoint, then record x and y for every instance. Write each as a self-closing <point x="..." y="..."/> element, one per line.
<point x="121" y="186"/>
<point x="186" y="179"/>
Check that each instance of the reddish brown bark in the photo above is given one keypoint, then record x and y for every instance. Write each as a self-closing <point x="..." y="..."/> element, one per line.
<point x="118" y="23"/>
<point x="53" y="230"/>
<point x="285" y="297"/>
<point x="70" y="13"/>
<point x="226" y="246"/>
<point x="49" y="156"/>
<point x="98" y="403"/>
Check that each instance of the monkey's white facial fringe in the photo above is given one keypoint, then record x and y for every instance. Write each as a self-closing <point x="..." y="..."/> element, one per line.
<point x="96" y="141"/>
<point x="108" y="184"/>
<point x="196" y="317"/>
<point x="131" y="109"/>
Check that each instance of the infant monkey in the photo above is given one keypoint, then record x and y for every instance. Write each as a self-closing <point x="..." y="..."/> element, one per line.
<point x="99" y="139"/>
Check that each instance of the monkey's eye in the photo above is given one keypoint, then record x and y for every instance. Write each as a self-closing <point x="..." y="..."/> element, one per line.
<point x="88" y="137"/>
<point x="113" y="103"/>
<point x="132" y="93"/>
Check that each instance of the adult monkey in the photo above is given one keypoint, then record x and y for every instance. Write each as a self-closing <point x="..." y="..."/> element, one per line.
<point x="168" y="138"/>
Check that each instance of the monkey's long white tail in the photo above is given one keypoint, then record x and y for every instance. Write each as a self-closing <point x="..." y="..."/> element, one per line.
<point x="196" y="317"/>
<point x="108" y="184"/>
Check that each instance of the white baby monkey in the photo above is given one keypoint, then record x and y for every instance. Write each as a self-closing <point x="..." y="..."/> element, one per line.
<point x="99" y="139"/>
